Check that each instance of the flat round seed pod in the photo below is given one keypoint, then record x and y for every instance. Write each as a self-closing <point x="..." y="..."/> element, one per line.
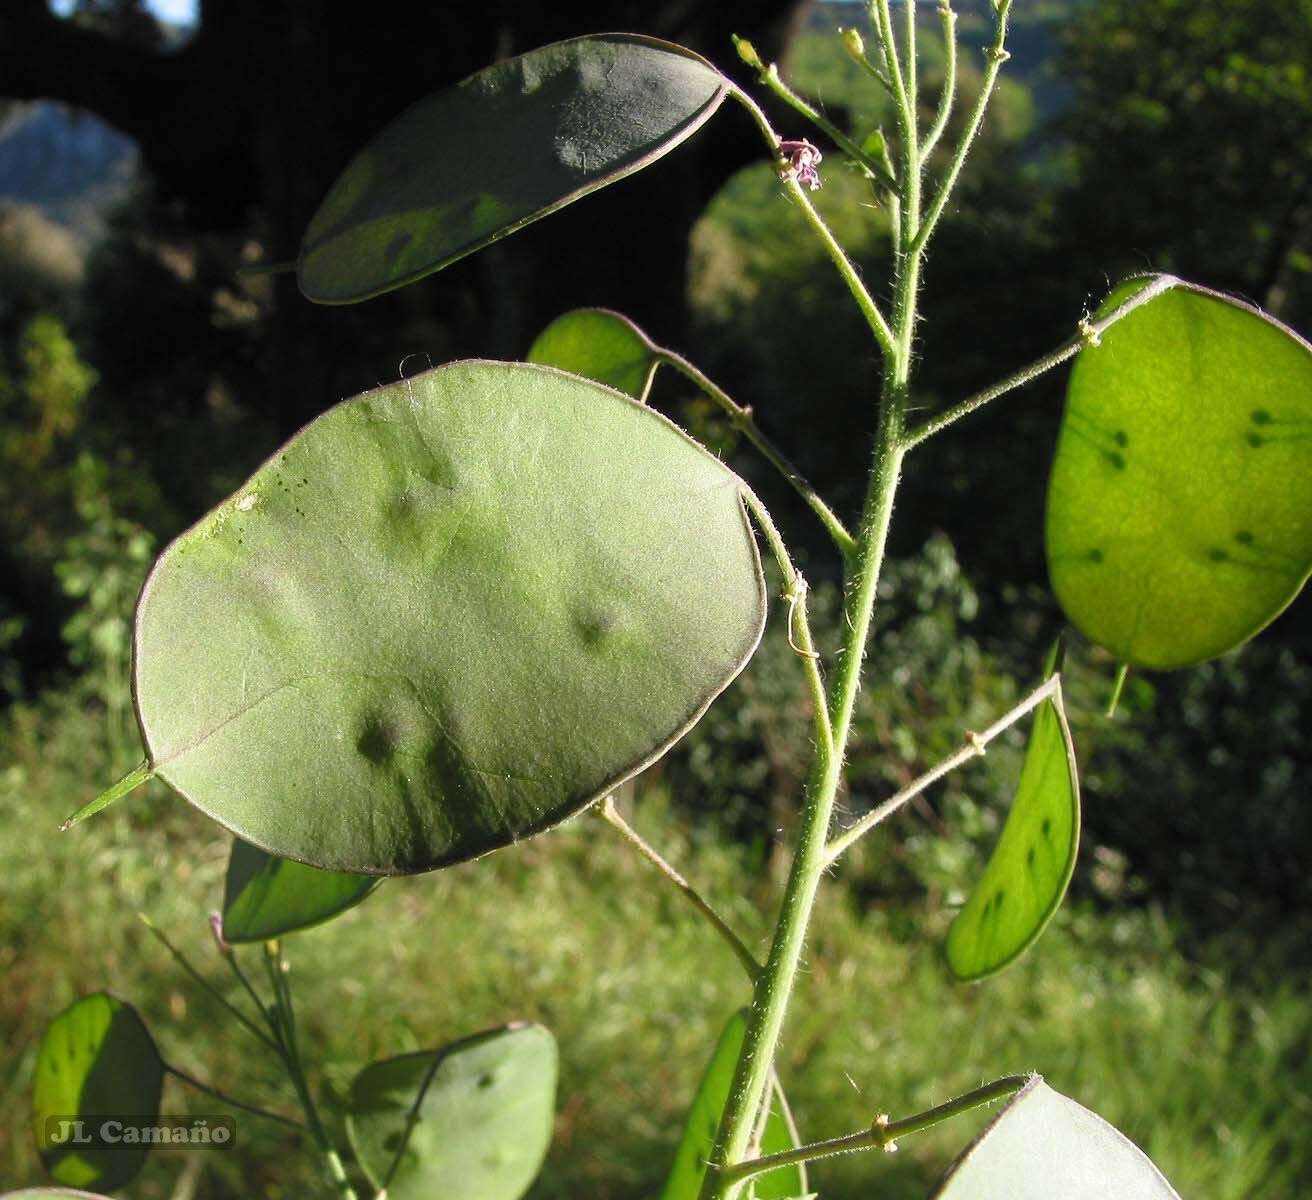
<point x="1179" y="515"/>
<point x="506" y="146"/>
<point x="445" y="616"/>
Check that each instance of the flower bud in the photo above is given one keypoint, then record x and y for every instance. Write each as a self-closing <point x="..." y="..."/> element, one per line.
<point x="747" y="52"/>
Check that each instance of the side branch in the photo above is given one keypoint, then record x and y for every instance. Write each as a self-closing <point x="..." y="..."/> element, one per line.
<point x="608" y="813"/>
<point x="881" y="20"/>
<point x="211" y="1090"/>
<point x="1090" y="333"/>
<point x="742" y="419"/>
<point x="799" y="626"/>
<point x="185" y="963"/>
<point x="883" y="1133"/>
<point x="856" y="49"/>
<point x="864" y="301"/>
<point x="995" y="55"/>
<point x="948" y="95"/>
<point x="974" y="746"/>
<point x="873" y="167"/>
<point x="879" y="325"/>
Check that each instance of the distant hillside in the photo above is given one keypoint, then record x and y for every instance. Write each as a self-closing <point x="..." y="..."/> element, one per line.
<point x="1034" y="37"/>
<point x="69" y="165"/>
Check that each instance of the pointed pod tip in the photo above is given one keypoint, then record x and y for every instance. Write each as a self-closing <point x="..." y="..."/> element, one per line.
<point x="1056" y="656"/>
<point x="130" y="782"/>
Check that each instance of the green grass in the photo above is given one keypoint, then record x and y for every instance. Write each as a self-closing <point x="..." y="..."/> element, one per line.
<point x="1210" y="1071"/>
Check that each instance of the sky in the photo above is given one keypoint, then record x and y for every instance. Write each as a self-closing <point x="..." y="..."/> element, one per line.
<point x="175" y="12"/>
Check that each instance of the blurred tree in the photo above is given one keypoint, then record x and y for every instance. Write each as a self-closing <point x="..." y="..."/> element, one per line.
<point x="245" y="126"/>
<point x="58" y="474"/>
<point x="1192" y="137"/>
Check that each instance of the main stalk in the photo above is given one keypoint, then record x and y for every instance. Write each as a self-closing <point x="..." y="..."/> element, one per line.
<point x="775" y="983"/>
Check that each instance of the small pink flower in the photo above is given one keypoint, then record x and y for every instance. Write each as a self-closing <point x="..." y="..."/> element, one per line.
<point x="800" y="159"/>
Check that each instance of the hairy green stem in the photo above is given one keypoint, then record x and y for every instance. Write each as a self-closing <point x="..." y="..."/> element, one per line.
<point x="879" y="325"/>
<point x="857" y="53"/>
<point x="1088" y="336"/>
<point x="882" y="1134"/>
<point x="912" y="73"/>
<point x="611" y="816"/>
<point x="949" y="92"/>
<point x="865" y="302"/>
<point x="773" y="990"/>
<point x="995" y="55"/>
<point x="882" y="22"/>
<point x="210" y="1090"/>
<point x="774" y="987"/>
<point x="742" y="418"/>
<point x="974" y="746"/>
<point x="771" y="79"/>
<point x="799" y="626"/>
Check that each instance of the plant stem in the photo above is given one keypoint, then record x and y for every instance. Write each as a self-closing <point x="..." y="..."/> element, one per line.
<point x="283" y="1021"/>
<point x="882" y="21"/>
<point x="974" y="747"/>
<point x="912" y="68"/>
<point x="245" y="982"/>
<point x="874" y="72"/>
<point x="182" y="961"/>
<point x="611" y="816"/>
<point x="799" y="625"/>
<point x="774" y="988"/>
<point x="1088" y="336"/>
<point x="411" y="1120"/>
<point x="209" y="1089"/>
<point x="879" y="326"/>
<point x="883" y="1134"/>
<point x="741" y="418"/>
<point x="873" y="167"/>
<point x="1122" y="674"/>
<point x="994" y="56"/>
<point x="765" y="1022"/>
<point x="948" y="94"/>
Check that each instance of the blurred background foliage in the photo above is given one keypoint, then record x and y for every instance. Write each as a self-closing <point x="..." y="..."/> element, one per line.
<point x="141" y="378"/>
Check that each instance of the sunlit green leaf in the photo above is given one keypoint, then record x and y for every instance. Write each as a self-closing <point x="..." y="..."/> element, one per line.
<point x="266" y="897"/>
<point x="598" y="344"/>
<point x="1032" y="864"/>
<point x="484" y="1120"/>
<point x="448" y="614"/>
<point x="1180" y="505"/>
<point x="479" y="160"/>
<point x="96" y="1061"/>
<point x="685" y="1179"/>
<point x="1044" y="1146"/>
